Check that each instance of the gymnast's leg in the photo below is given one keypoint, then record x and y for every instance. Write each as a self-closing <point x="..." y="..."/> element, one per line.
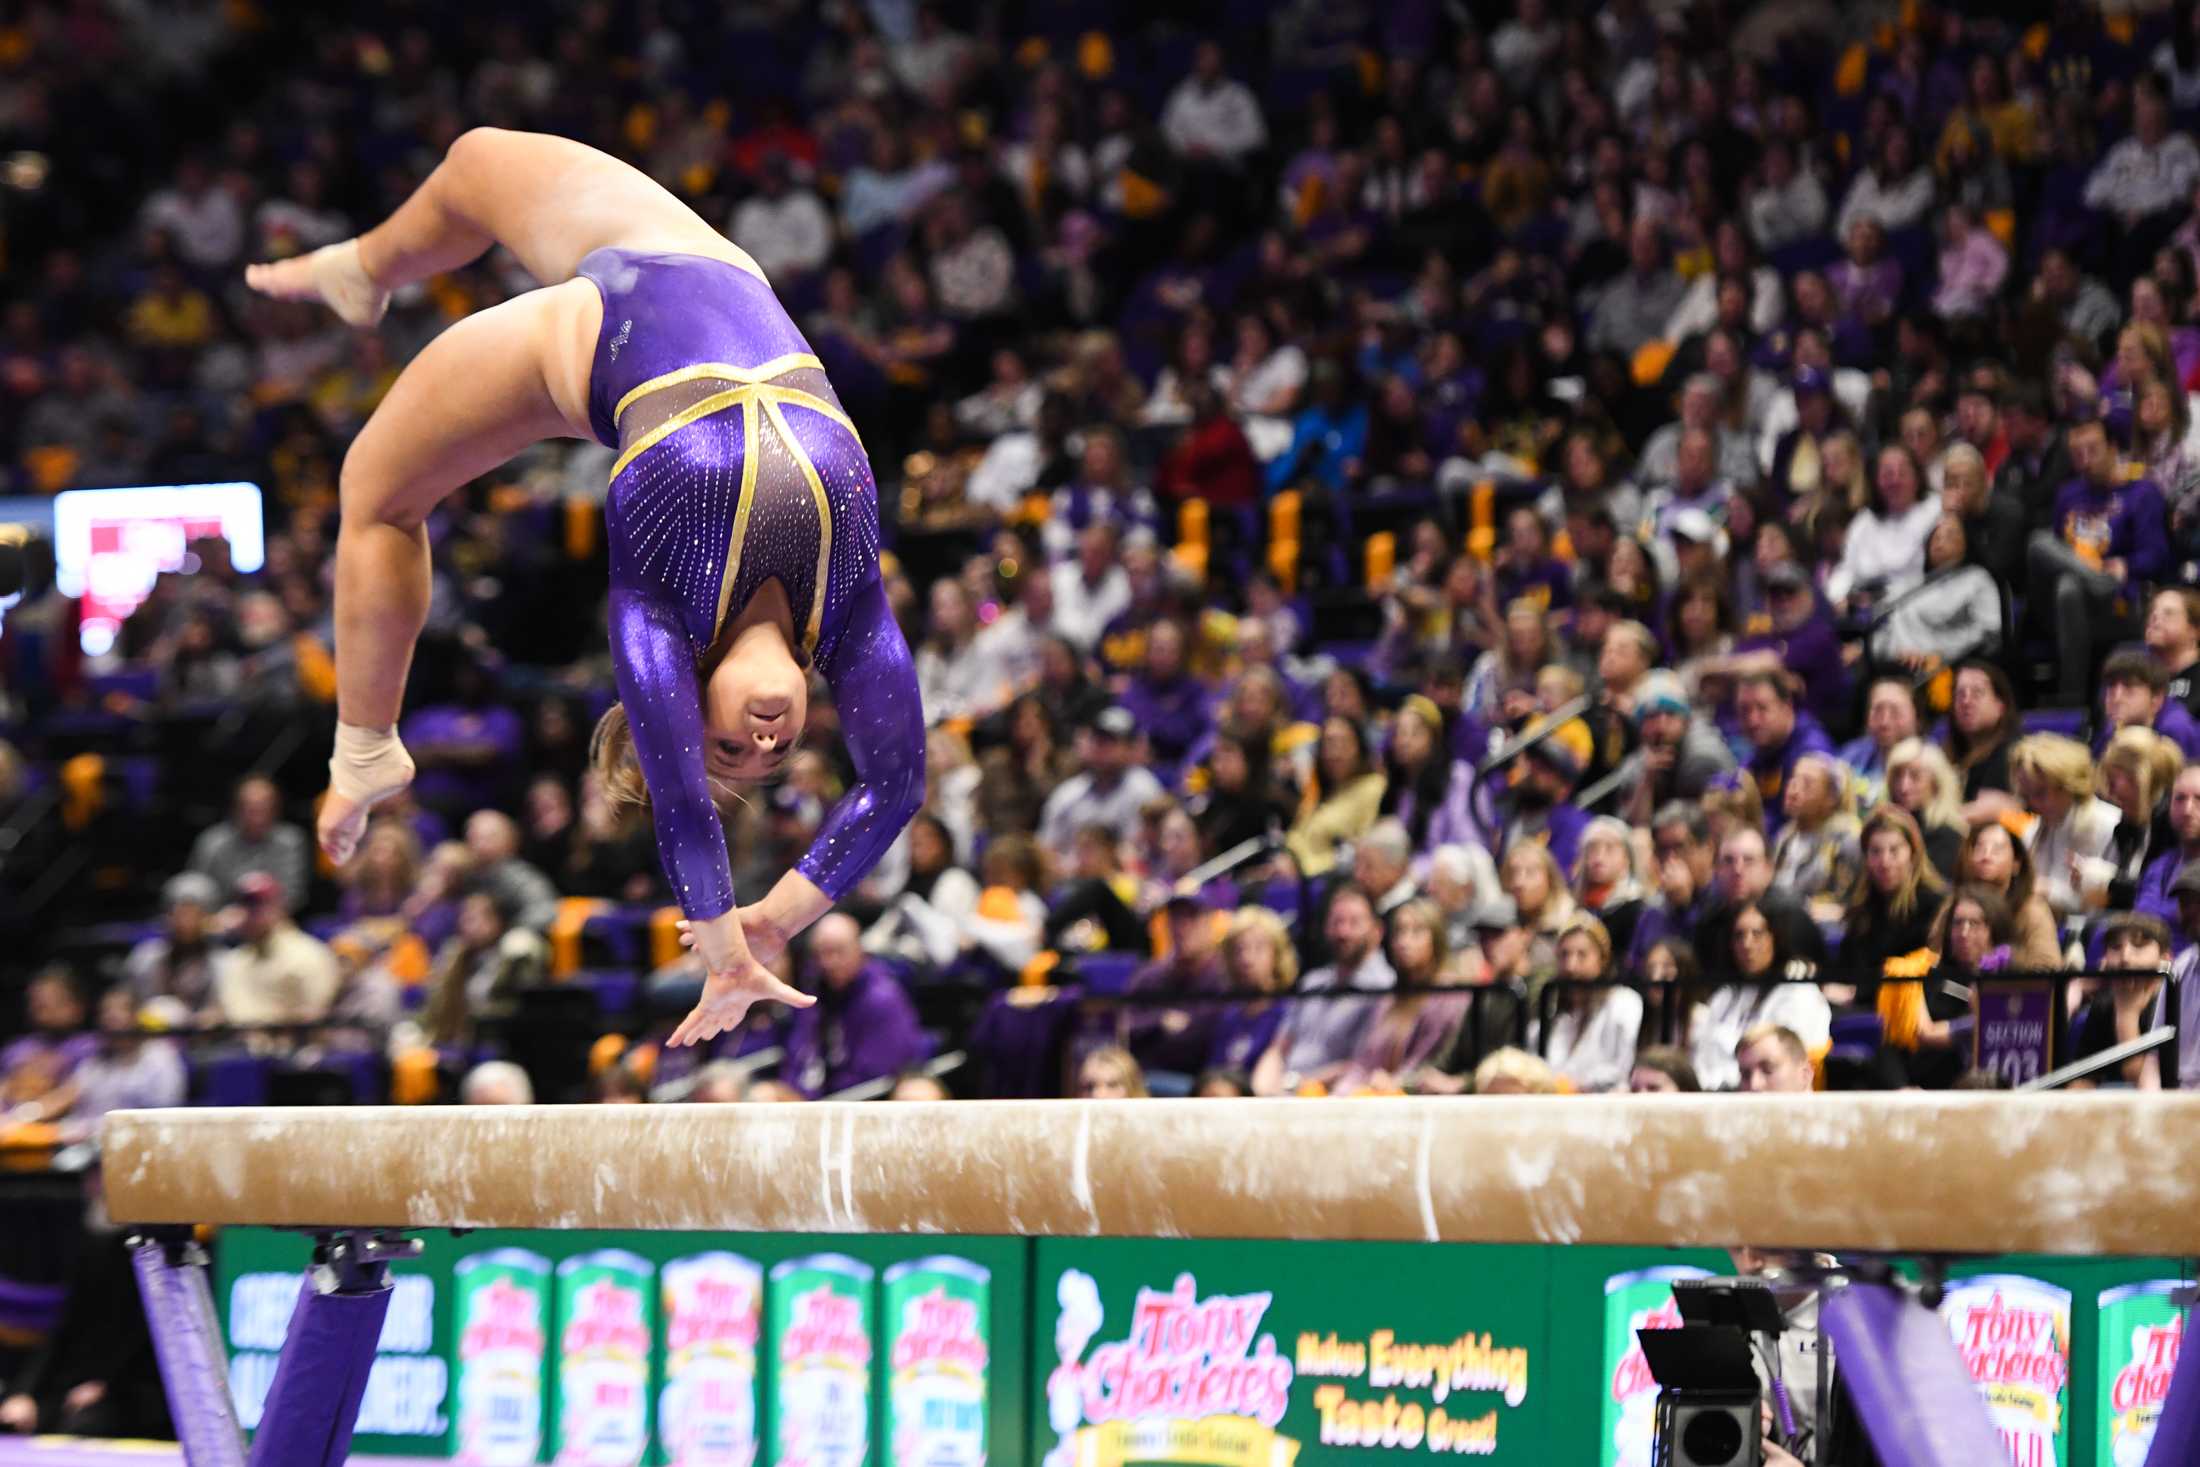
<point x="548" y="200"/>
<point x="472" y="398"/>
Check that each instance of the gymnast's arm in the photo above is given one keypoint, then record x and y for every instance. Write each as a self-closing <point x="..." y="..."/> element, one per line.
<point x="664" y="708"/>
<point x="874" y="683"/>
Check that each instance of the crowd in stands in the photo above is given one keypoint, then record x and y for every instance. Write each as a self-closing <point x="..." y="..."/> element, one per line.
<point x="1531" y="524"/>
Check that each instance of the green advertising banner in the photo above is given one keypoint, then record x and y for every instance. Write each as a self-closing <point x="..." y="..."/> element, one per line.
<point x="719" y="1350"/>
<point x="691" y="1349"/>
<point x="2141" y="1331"/>
<point x="1250" y="1354"/>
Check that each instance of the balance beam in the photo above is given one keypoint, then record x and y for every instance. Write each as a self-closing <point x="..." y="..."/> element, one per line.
<point x="2108" y="1173"/>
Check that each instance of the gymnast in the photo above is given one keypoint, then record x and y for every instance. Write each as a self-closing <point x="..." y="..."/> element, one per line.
<point x="742" y="521"/>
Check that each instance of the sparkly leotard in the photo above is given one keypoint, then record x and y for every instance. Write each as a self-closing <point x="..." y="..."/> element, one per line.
<point x="748" y="472"/>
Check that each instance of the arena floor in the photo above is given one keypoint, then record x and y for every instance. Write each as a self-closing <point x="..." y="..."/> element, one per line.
<point x="60" y="1451"/>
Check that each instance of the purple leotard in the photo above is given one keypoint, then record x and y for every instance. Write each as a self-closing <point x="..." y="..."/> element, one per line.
<point x="758" y="476"/>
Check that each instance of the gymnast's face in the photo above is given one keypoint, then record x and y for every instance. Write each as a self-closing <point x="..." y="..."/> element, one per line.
<point x="753" y="722"/>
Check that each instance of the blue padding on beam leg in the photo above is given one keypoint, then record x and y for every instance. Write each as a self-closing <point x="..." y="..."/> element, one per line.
<point x="328" y="1352"/>
<point x="1919" y="1405"/>
<point x="2177" y="1431"/>
<point x="188" y="1344"/>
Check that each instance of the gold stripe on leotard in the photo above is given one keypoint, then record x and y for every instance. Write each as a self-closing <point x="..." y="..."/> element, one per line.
<point x="824" y="523"/>
<point x="732" y="572"/>
<point x="694" y="412"/>
<point x="718" y="371"/>
<point x="796" y="397"/>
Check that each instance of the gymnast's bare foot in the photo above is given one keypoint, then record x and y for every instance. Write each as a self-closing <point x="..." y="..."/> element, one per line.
<point x="331" y="275"/>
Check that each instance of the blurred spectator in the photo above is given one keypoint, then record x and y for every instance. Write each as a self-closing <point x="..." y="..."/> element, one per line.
<point x="1178" y="1039"/>
<point x="1349" y="795"/>
<point x="179" y="963"/>
<point x="1091" y="590"/>
<point x="275" y="974"/>
<point x="1259" y="962"/>
<point x="782" y="225"/>
<point x="1996" y="861"/>
<point x="36" y="1069"/>
<point x="1662" y="1070"/>
<point x="253" y="839"/>
<point x="2135" y="694"/>
<point x="1209" y="116"/>
<point x="1780" y="735"/>
<point x="1320" y="1032"/>
<point x="1895" y="898"/>
<point x="721" y="1082"/>
<point x="2107" y="539"/>
<point x="1591" y="1040"/>
<point x="1634" y="307"/>
<point x="1516" y="1072"/>
<point x="96" y="1374"/>
<point x="917" y="1085"/>
<point x="1745" y="883"/>
<point x="2071" y="830"/>
<point x="1923" y="784"/>
<point x="1411" y="1030"/>
<point x="862" y="1026"/>
<point x="130" y="1070"/>
<point x="1815" y="857"/>
<point x="496" y="1082"/>
<point x="479" y="971"/>
<point x="1112" y="787"/>
<point x="2173" y="640"/>
<point x="1772" y="1059"/>
<point x="200" y="215"/>
<point x="1984" y="723"/>
<point x="1110" y="1073"/>
<point x="492" y="839"/>
<point x="2137" y="943"/>
<point x="470" y="749"/>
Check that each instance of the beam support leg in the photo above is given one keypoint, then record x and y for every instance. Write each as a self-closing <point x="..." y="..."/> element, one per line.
<point x="179" y="1307"/>
<point x="1919" y="1405"/>
<point x="2177" y="1430"/>
<point x="328" y="1352"/>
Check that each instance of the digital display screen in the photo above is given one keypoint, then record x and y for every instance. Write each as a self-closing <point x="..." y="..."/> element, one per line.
<point x="110" y="545"/>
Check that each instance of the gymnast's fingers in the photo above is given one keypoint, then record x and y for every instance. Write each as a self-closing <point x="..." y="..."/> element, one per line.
<point x="777" y="989"/>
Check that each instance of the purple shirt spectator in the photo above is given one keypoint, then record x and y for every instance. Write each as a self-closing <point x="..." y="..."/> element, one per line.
<point x="466" y="755"/>
<point x="2120" y="522"/>
<point x="1243" y="1034"/>
<point x="1172" y="712"/>
<point x="1812" y="651"/>
<point x="1170" y="1038"/>
<point x="862" y="1026"/>
<point x="1771" y="767"/>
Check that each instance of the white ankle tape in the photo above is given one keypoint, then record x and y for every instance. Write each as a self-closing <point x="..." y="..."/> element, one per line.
<point x="346" y="286"/>
<point x="369" y="764"/>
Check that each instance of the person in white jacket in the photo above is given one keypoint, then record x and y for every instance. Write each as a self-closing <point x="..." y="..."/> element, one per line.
<point x="1884" y="555"/>
<point x="2071" y="829"/>
<point x="1592" y="1039"/>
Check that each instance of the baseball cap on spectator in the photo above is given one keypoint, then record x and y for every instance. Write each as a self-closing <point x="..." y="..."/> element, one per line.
<point x="258" y="888"/>
<point x="1115" y="722"/>
<point x="1811" y="380"/>
<point x="1660" y="692"/>
<point x="1565" y="752"/>
<point x="191" y="889"/>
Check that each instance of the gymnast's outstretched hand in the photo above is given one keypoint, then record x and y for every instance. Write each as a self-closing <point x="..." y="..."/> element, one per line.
<point x="736" y="979"/>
